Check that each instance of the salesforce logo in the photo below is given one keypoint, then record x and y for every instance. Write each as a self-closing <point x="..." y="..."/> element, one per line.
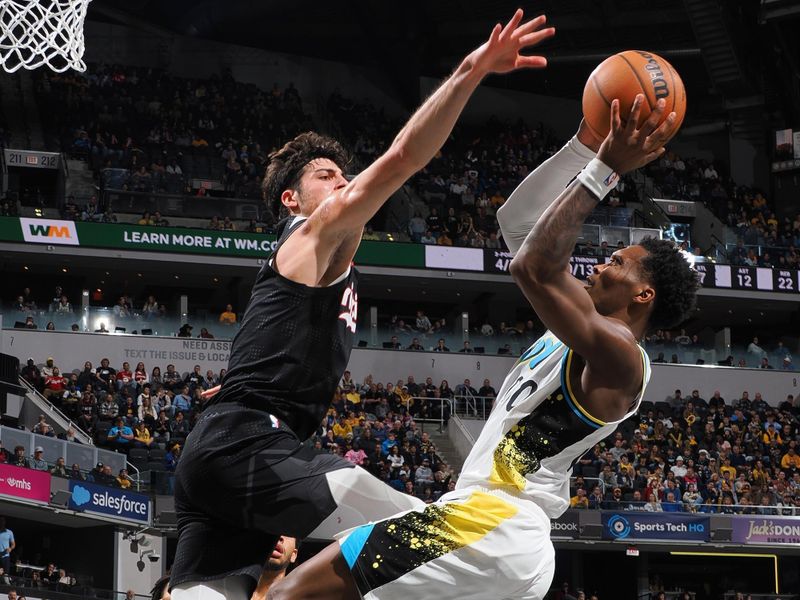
<point x="81" y="496"/>
<point x="94" y="499"/>
<point x="119" y="504"/>
<point x="619" y="526"/>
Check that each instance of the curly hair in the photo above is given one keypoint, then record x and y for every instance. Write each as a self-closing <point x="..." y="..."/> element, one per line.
<point x="674" y="281"/>
<point x="286" y="165"/>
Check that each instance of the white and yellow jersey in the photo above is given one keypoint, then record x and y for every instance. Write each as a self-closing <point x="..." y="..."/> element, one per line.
<point x="537" y="430"/>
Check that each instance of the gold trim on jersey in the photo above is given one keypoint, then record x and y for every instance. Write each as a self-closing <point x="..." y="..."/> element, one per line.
<point x="571" y="395"/>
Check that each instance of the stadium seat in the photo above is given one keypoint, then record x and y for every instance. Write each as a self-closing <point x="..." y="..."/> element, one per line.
<point x="663" y="406"/>
<point x="137" y="454"/>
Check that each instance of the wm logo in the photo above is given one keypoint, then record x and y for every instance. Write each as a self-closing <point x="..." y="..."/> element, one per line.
<point x="49" y="231"/>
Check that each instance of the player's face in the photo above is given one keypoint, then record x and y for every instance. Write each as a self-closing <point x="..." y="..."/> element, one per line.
<point x="320" y="179"/>
<point x="618" y="283"/>
<point x="283" y="554"/>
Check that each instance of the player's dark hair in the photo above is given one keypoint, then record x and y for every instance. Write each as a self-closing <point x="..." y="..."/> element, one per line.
<point x="674" y="281"/>
<point x="286" y="165"/>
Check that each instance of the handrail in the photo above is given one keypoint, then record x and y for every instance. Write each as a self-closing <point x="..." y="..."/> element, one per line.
<point x="80" y="433"/>
<point x="471" y="402"/>
<point x="442" y="402"/>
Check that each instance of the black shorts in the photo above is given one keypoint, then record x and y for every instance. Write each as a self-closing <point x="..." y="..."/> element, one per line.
<point x="243" y="480"/>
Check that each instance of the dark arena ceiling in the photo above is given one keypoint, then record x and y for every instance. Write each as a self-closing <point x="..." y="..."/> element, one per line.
<point x="739" y="58"/>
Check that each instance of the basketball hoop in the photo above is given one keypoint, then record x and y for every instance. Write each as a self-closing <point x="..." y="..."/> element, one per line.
<point x="42" y="32"/>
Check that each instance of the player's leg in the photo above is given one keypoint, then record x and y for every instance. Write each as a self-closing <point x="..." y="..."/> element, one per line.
<point x="360" y="498"/>
<point x="474" y="546"/>
<point x="236" y="493"/>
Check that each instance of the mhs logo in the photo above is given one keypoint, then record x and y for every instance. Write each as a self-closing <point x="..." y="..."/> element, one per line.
<point x="47" y="231"/>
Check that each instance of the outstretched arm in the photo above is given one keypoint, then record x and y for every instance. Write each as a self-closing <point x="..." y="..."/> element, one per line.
<point x="530" y="199"/>
<point x="541" y="267"/>
<point x="331" y="234"/>
<point x="427" y="130"/>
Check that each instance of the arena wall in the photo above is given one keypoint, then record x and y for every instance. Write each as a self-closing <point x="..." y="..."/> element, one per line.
<point x="70" y="350"/>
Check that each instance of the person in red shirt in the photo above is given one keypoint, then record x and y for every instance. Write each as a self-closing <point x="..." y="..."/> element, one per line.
<point x="54" y="385"/>
<point x="124" y="376"/>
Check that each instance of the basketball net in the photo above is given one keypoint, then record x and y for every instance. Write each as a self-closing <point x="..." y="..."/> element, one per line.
<point x="34" y="33"/>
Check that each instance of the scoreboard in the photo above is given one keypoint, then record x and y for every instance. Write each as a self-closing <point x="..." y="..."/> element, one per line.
<point x="711" y="275"/>
<point x="756" y="279"/>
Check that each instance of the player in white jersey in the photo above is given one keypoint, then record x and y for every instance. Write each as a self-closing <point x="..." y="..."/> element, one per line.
<point x="490" y="538"/>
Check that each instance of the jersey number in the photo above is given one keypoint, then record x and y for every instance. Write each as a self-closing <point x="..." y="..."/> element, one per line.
<point x="349" y="308"/>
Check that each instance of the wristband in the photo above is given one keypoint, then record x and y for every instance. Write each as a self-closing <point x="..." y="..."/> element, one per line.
<point x="598" y="178"/>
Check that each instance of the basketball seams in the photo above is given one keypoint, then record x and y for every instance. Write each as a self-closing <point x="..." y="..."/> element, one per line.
<point x="672" y="89"/>
<point x="641" y="83"/>
<point x="600" y="91"/>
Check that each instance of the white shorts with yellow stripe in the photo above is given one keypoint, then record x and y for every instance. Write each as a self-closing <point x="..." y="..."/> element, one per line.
<point x="473" y="543"/>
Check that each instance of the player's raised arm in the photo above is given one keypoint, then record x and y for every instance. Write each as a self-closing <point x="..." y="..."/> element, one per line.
<point x="538" y="190"/>
<point x="541" y="267"/>
<point x="427" y="130"/>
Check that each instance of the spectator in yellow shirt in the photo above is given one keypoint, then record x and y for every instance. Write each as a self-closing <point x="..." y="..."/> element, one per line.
<point x="342" y="428"/>
<point x="142" y="437"/>
<point x="228" y="317"/>
<point x="579" y="500"/>
<point x="727" y="468"/>
<point x="790" y="460"/>
<point x="123" y="480"/>
<point x="772" y="434"/>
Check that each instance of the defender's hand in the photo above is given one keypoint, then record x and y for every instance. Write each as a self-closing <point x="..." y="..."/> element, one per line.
<point x="501" y="53"/>
<point x="210" y="392"/>
<point x="627" y="148"/>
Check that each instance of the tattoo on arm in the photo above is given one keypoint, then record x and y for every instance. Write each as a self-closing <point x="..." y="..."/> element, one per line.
<point x="553" y="238"/>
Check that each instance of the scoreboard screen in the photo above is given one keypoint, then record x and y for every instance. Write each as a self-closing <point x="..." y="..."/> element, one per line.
<point x="730" y="277"/>
<point x="757" y="279"/>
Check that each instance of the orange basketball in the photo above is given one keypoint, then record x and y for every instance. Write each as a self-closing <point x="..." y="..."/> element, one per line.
<point x="624" y="75"/>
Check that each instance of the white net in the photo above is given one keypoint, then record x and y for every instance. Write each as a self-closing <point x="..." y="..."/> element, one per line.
<point x="34" y="33"/>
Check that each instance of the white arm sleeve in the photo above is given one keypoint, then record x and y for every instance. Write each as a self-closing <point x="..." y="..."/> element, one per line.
<point x="538" y="191"/>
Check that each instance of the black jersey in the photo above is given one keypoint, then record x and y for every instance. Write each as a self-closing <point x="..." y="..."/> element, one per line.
<point x="292" y="347"/>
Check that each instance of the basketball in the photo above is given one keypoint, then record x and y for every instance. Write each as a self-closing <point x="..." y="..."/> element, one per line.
<point x="625" y="75"/>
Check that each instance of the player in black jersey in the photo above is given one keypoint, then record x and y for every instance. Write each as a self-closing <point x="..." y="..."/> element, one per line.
<point x="244" y="478"/>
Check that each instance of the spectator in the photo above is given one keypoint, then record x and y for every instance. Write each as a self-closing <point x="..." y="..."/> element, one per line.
<point x="123" y="480"/>
<point x="183" y="401"/>
<point x="54" y="384"/>
<point x="120" y="436"/>
<point x="60" y="468"/>
<point x="7" y="545"/>
<point x="579" y="500"/>
<point x="37" y="462"/>
<point x="75" y="472"/>
<point x="30" y="373"/>
<point x="19" y="459"/>
<point x="487" y="391"/>
<point x="185" y="331"/>
<point x="228" y="317"/>
<point x="440" y="346"/>
<point x="42" y="427"/>
<point x="670" y="504"/>
<point x="415" y="345"/>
